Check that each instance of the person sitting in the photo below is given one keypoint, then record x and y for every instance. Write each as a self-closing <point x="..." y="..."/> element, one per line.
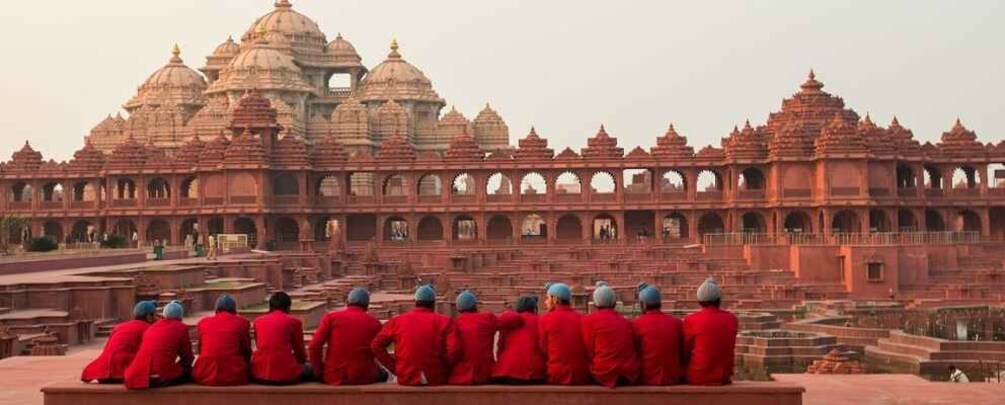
<point x="280" y="358"/>
<point x="561" y="339"/>
<point x="520" y="361"/>
<point x="475" y="337"/>
<point x="956" y="375"/>
<point x="224" y="346"/>
<point x="610" y="342"/>
<point x="659" y="338"/>
<point x="710" y="339"/>
<point x="422" y="347"/>
<point x="121" y="347"/>
<point x="347" y="335"/>
<point x="165" y="356"/>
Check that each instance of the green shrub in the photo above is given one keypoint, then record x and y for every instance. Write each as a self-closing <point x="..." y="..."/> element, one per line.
<point x="114" y="242"/>
<point x="43" y="244"/>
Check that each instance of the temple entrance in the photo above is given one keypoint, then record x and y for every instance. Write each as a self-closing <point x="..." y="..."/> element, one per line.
<point x="158" y="189"/>
<point x="430" y="228"/>
<point x="125" y="228"/>
<point x="81" y="232"/>
<point x="569" y="228"/>
<point x="640" y="224"/>
<point x="845" y="222"/>
<point x="215" y="226"/>
<point x="796" y="222"/>
<point x="752" y="222"/>
<point x="360" y="227"/>
<point x="906" y="222"/>
<point x="188" y="228"/>
<point x="710" y="223"/>
<point x="500" y="228"/>
<point x="396" y="229"/>
<point x="534" y="227"/>
<point x="465" y="228"/>
<point x="246" y="226"/>
<point x="605" y="228"/>
<point x="321" y="228"/>
<point x="53" y="230"/>
<point x="879" y="222"/>
<point x="674" y="227"/>
<point x="968" y="221"/>
<point x="159" y="229"/>
<point x="286" y="230"/>
<point x="934" y="222"/>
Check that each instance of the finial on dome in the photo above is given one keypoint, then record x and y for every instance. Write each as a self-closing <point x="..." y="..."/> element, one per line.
<point x="394" y="49"/>
<point x="283" y="4"/>
<point x="813" y="76"/>
<point x="176" y="54"/>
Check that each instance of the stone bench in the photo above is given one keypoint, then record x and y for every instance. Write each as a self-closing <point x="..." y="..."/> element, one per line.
<point x="750" y="393"/>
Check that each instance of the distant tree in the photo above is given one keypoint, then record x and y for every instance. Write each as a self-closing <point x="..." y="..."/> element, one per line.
<point x="9" y="224"/>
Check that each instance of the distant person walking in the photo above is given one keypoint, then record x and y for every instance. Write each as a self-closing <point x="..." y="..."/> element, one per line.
<point x="211" y="255"/>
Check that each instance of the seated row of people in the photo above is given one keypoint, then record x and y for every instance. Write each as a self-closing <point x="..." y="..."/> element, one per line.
<point x="350" y="346"/>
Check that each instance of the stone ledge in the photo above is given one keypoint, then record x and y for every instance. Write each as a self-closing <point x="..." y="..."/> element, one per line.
<point x="754" y="393"/>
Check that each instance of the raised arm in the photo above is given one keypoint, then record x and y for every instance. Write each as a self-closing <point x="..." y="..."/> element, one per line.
<point x="380" y="344"/>
<point x="317" y="345"/>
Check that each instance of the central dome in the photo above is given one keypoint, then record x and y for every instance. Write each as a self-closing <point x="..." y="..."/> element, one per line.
<point x="297" y="27"/>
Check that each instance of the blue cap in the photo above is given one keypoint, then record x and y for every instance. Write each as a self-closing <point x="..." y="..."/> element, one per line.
<point x="174" y="310"/>
<point x="359" y="296"/>
<point x="466" y="301"/>
<point x="604" y="296"/>
<point x="559" y="290"/>
<point x="226" y="303"/>
<point x="650" y="295"/>
<point x="425" y="293"/>
<point x="144" y="308"/>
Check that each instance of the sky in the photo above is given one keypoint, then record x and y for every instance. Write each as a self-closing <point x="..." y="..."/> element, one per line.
<point x="563" y="66"/>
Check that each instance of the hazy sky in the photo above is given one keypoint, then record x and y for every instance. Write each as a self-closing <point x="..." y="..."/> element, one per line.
<point x="562" y="66"/>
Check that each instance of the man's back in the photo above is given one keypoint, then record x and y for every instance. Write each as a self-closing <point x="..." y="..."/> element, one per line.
<point x="280" y="354"/>
<point x="562" y="344"/>
<point x="710" y="344"/>
<point x="610" y="346"/>
<point x="166" y="352"/>
<point x="660" y="338"/>
<point x="348" y="359"/>
<point x="224" y="349"/>
<point x="119" y="351"/>
<point x="475" y="334"/>
<point x="421" y="355"/>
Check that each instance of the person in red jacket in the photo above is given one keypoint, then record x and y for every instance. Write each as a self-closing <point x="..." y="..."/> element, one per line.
<point x="165" y="356"/>
<point x="561" y="339"/>
<point x="224" y="346"/>
<point x="610" y="342"/>
<point x="710" y="339"/>
<point x="280" y="357"/>
<point x="347" y="333"/>
<point x="659" y="338"/>
<point x="520" y="359"/>
<point x="121" y="347"/>
<point x="475" y="336"/>
<point x="422" y="347"/>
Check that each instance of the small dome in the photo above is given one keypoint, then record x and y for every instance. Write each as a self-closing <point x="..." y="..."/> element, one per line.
<point x="342" y="50"/>
<point x="229" y="48"/>
<point x="263" y="58"/>
<point x="174" y="83"/>
<point x="396" y="79"/>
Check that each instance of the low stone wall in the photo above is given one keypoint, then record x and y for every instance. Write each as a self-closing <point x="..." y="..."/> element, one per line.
<point x="80" y="260"/>
<point x="749" y="393"/>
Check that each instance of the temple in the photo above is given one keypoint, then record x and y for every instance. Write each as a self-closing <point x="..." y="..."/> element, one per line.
<point x="828" y="230"/>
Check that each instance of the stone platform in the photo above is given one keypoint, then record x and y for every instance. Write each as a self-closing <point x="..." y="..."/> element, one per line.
<point x="750" y="393"/>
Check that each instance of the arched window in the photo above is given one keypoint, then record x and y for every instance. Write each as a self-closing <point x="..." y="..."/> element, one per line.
<point x="533" y="183"/>
<point x="463" y="184"/>
<point x="430" y="185"/>
<point x="673" y="182"/>
<point x="602" y="183"/>
<point x="567" y="183"/>
<point x="709" y="181"/>
<point x="638" y="181"/>
<point x="499" y="184"/>
<point x="329" y="186"/>
<point x="751" y="179"/>
<point x="396" y="186"/>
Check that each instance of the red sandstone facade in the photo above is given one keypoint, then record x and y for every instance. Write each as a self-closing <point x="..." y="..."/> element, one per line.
<point x="815" y="167"/>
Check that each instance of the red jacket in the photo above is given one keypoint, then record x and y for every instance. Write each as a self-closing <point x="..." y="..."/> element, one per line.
<point x="562" y="344"/>
<point x="166" y="352"/>
<point x="279" y="343"/>
<point x="519" y="354"/>
<point x="610" y="346"/>
<point x="224" y="350"/>
<point x="475" y="334"/>
<point x="659" y="338"/>
<point x="709" y="345"/>
<point x="119" y="351"/>
<point x="348" y="359"/>
<point x="420" y="347"/>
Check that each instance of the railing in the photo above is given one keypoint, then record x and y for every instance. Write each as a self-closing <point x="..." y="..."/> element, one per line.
<point x="969" y="192"/>
<point x="338" y="92"/>
<point x="157" y="202"/>
<point x="997" y="191"/>
<point x="430" y="199"/>
<point x="534" y="198"/>
<point x="638" y="197"/>
<point x="463" y="198"/>
<point x="328" y="200"/>
<point x="934" y="192"/>
<point x="604" y="197"/>
<point x="124" y="203"/>
<point x="842" y="238"/>
<point x="907" y="192"/>
<point x="360" y="199"/>
<point x="244" y="199"/>
<point x="879" y="192"/>
<point x="285" y="199"/>
<point x="188" y="202"/>
<point x="212" y="201"/>
<point x="499" y="198"/>
<point x="709" y="195"/>
<point x="568" y="197"/>
<point x="751" y="194"/>
<point x="674" y="195"/>
<point x="81" y="205"/>
<point x="52" y="205"/>
<point x="844" y="191"/>
<point x="395" y="199"/>
<point x="797" y="193"/>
